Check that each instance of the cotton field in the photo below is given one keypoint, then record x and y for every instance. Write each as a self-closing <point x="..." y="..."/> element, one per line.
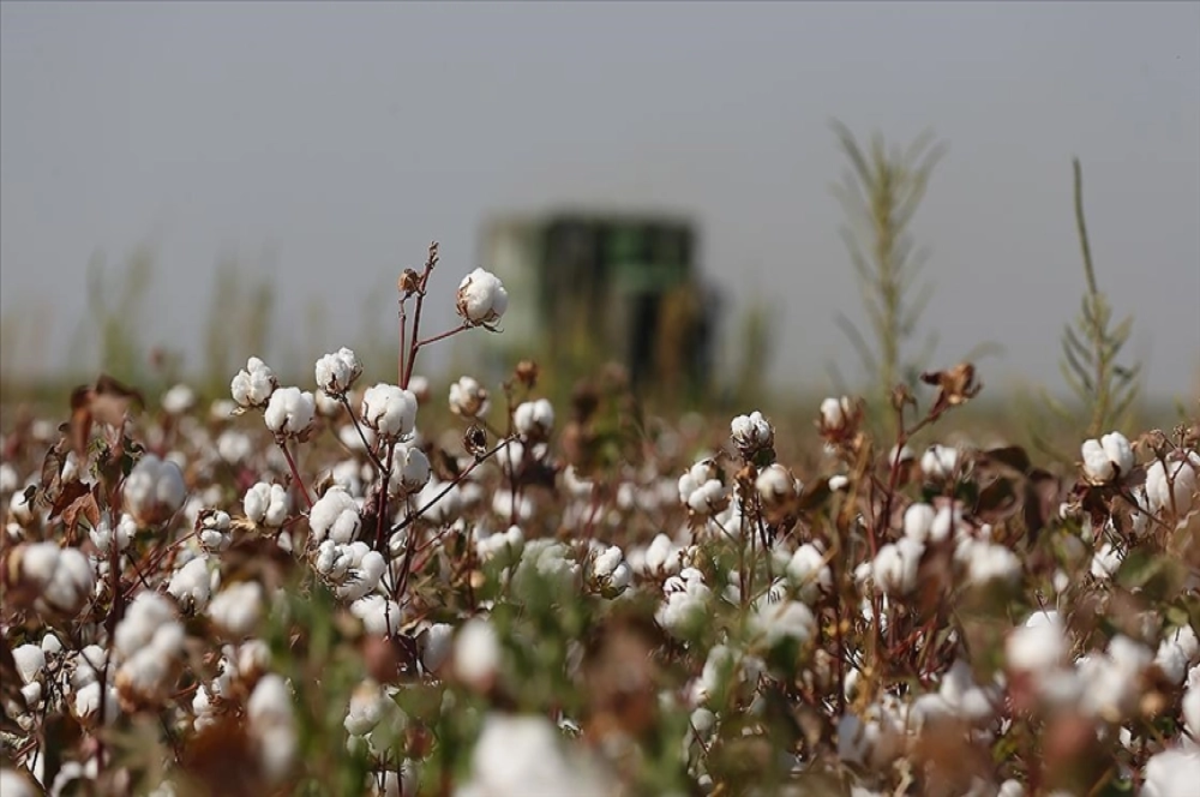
<point x="310" y="588"/>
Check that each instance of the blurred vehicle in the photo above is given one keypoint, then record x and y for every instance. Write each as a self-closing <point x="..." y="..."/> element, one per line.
<point x="608" y="286"/>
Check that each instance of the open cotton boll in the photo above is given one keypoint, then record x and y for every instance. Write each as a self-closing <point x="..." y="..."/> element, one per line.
<point x="700" y="489"/>
<point x="267" y="505"/>
<point x="389" y="411"/>
<point x="237" y="608"/>
<point x="154" y="490"/>
<point x="481" y="299"/>
<point x="895" y="566"/>
<point x="526" y="755"/>
<point x="191" y="585"/>
<point x="103" y="535"/>
<point x="1172" y="773"/>
<point x="468" y="398"/>
<point x="410" y="471"/>
<point x="214" y="530"/>
<point x="779" y="621"/>
<point x="776" y="485"/>
<point x="145" y="615"/>
<point x="939" y="462"/>
<point x="253" y="385"/>
<point x="290" y="412"/>
<point x="1171" y="487"/>
<point x="809" y="572"/>
<point x="378" y="615"/>
<point x="60" y="578"/>
<point x="436" y="644"/>
<point x="271" y="724"/>
<point x="534" y="420"/>
<point x="918" y="521"/>
<point x="751" y="433"/>
<point x="477" y="654"/>
<point x="336" y="373"/>
<point x="836" y="413"/>
<point x="335" y="515"/>
<point x="178" y="400"/>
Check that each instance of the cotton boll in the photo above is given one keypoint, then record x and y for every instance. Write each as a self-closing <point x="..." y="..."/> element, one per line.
<point x="363" y="578"/>
<point x="365" y="710"/>
<point x="776" y="485"/>
<point x="939" y="462"/>
<point x="784" y="620"/>
<point x="1171" y="488"/>
<point x="378" y="615"/>
<point x="918" y="521"/>
<point x="179" y="400"/>
<point x="987" y="562"/>
<point x="534" y="420"/>
<point x="1106" y="561"/>
<point x="810" y="573"/>
<point x="154" y="490"/>
<point x="468" y="398"/>
<point x="410" y="471"/>
<point x="1038" y="646"/>
<point x="610" y="571"/>
<point x="751" y="433"/>
<point x="836" y="413"/>
<point x="1097" y="467"/>
<point x="253" y="385"/>
<point x="1172" y="773"/>
<point x="895" y="566"/>
<point x="103" y="536"/>
<point x="237" y="608"/>
<point x="436" y="644"/>
<point x="60" y="579"/>
<point x="213" y="530"/>
<point x="15" y="783"/>
<point x="700" y="489"/>
<point x="191" y="585"/>
<point x="481" y="299"/>
<point x="525" y="755"/>
<point x="477" y="654"/>
<point x="271" y="724"/>
<point x="335" y="373"/>
<point x="336" y="515"/>
<point x="267" y="505"/>
<point x="290" y="412"/>
<point x="389" y="411"/>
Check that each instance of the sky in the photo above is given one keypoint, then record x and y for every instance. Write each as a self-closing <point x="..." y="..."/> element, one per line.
<point x="326" y="144"/>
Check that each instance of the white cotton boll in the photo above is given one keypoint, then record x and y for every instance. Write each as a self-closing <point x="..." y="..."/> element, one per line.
<point x="776" y="484"/>
<point x="213" y="532"/>
<point x="918" y="521"/>
<point x="253" y="385"/>
<point x="271" y="723"/>
<point x="506" y="505"/>
<point x="1038" y="646"/>
<point x="810" y="573"/>
<point x="938" y="461"/>
<point x="191" y="585"/>
<point x="63" y="576"/>
<point x="30" y="661"/>
<point x="365" y="709"/>
<point x="378" y="615"/>
<point x="290" y="412"/>
<point x="468" y="398"/>
<point x="436" y="643"/>
<point x="700" y="489"/>
<point x="51" y="645"/>
<point x="237" y="608"/>
<point x="1120" y="453"/>
<point x="1011" y="788"/>
<point x="609" y="569"/>
<point x="1171" y="488"/>
<point x="751" y="433"/>
<point x="685" y="605"/>
<point x="142" y="619"/>
<point x="179" y="400"/>
<point x="1097" y="467"/>
<point x="389" y="411"/>
<point x="13" y="783"/>
<point x="364" y="578"/>
<point x="20" y="509"/>
<point x="900" y="456"/>
<point x="836" y="412"/>
<point x="1106" y="561"/>
<point x="477" y="654"/>
<point x="9" y="479"/>
<point x="525" y="755"/>
<point x="335" y="373"/>
<point x="410" y="471"/>
<point x="234" y="447"/>
<point x="896" y="565"/>
<point x="103" y="535"/>
<point x="662" y="556"/>
<point x="154" y="490"/>
<point x="947" y="520"/>
<point x="534" y="420"/>
<point x="222" y="409"/>
<point x="1191" y="708"/>
<point x="267" y="505"/>
<point x="779" y="621"/>
<point x="335" y="515"/>
<point x="1172" y="773"/>
<point x="988" y="562"/>
<point x="481" y="299"/>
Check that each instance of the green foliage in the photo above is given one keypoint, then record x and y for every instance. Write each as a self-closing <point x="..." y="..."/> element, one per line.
<point x="880" y="194"/>
<point x="113" y="320"/>
<point x="1091" y="346"/>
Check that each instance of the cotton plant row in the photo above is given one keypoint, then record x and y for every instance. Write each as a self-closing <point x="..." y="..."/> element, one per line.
<point x="312" y="588"/>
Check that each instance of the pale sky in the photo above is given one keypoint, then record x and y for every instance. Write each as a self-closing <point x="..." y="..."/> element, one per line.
<point x="331" y="142"/>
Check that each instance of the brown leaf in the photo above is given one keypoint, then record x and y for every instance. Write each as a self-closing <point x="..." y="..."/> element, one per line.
<point x="1013" y="457"/>
<point x="956" y="386"/>
<point x="106" y="402"/>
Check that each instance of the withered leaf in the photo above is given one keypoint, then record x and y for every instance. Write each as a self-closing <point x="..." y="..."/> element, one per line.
<point x="956" y="386"/>
<point x="996" y="501"/>
<point x="1013" y="457"/>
